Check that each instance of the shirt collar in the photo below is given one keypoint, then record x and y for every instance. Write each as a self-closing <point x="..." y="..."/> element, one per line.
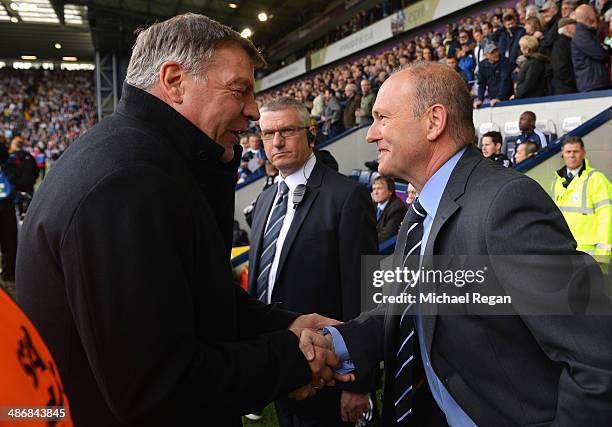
<point x="383" y="205"/>
<point x="164" y="120"/>
<point x="431" y="194"/>
<point x="301" y="175"/>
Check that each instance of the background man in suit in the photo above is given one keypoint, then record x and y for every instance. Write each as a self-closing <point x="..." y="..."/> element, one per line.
<point x="123" y="262"/>
<point x="482" y="370"/>
<point x="306" y="251"/>
<point x="390" y="210"/>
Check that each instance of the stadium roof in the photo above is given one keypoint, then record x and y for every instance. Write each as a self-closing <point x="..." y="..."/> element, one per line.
<point x="34" y="27"/>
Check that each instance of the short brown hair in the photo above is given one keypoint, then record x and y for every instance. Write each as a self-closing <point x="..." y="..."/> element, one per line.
<point x="388" y="181"/>
<point x="495" y="136"/>
<point x="572" y="140"/>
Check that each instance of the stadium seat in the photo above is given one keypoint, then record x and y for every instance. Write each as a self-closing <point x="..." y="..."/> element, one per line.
<point x="511" y="133"/>
<point x="548" y="128"/>
<point x="571" y="123"/>
<point x="484" y="128"/>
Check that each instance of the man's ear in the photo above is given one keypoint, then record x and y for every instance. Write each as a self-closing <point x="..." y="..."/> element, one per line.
<point x="436" y="118"/>
<point x="172" y="81"/>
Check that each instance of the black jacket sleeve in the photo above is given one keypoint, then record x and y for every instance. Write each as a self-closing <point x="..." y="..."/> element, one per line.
<point x="132" y="305"/>
<point x="530" y="76"/>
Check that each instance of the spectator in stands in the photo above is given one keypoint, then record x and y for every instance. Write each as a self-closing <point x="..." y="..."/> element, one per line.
<point x="427" y="54"/>
<point x="531" y="81"/>
<point x="478" y="48"/>
<point x="567" y="7"/>
<point x="586" y="208"/>
<point x="451" y="61"/>
<point x="551" y="16"/>
<point x="364" y="113"/>
<point x="563" y="79"/>
<point x="253" y="159"/>
<point x="411" y="194"/>
<point x="8" y="220"/>
<point x="529" y="131"/>
<point x="533" y="27"/>
<point x="507" y="38"/>
<point x="525" y="151"/>
<point x="318" y="105"/>
<point x="494" y="78"/>
<point x="332" y="115"/>
<point x="466" y="61"/>
<point x="491" y="148"/>
<point x="353" y="101"/>
<point x="390" y="210"/>
<point x="24" y="175"/>
<point x="589" y="57"/>
<point x="487" y="32"/>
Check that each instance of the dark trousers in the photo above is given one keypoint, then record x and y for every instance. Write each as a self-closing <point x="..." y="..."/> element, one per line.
<point x="8" y="238"/>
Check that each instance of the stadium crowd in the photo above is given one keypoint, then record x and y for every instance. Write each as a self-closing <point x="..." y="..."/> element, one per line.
<point x="507" y="53"/>
<point x="44" y="111"/>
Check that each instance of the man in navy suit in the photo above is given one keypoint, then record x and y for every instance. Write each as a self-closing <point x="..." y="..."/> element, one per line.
<point x="309" y="232"/>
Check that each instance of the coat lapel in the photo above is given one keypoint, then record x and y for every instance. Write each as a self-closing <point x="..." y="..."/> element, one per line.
<point x="446" y="209"/>
<point x="262" y="211"/>
<point x="314" y="182"/>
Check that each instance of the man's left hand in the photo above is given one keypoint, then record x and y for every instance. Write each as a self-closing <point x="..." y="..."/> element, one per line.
<point x="353" y="405"/>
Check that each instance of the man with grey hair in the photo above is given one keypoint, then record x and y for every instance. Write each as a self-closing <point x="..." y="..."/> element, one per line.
<point x="589" y="56"/>
<point x="353" y="101"/>
<point x="481" y="367"/>
<point x="308" y="235"/>
<point x="563" y="79"/>
<point x="123" y="262"/>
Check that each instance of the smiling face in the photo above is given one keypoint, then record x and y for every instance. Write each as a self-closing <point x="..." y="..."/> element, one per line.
<point x="290" y="153"/>
<point x="222" y="103"/>
<point x="400" y="137"/>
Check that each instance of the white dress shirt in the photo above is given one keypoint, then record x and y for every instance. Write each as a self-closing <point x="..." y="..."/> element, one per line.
<point x="298" y="177"/>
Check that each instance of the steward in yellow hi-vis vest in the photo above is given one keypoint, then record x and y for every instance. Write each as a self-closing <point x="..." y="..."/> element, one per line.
<point x="583" y="195"/>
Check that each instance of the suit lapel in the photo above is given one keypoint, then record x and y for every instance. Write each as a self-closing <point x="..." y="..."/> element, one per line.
<point x="314" y="182"/>
<point x="446" y="209"/>
<point x="262" y="211"/>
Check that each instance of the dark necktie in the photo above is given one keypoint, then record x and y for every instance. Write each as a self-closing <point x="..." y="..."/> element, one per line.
<point x="379" y="212"/>
<point x="269" y="241"/>
<point x="405" y="350"/>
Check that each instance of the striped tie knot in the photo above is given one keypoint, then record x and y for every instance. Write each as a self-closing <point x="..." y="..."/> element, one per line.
<point x="416" y="213"/>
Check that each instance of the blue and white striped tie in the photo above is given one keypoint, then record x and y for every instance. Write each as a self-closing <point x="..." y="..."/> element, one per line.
<point x="269" y="241"/>
<point x="405" y="350"/>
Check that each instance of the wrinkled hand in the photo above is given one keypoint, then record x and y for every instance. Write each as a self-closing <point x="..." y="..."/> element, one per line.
<point x="311" y="321"/>
<point x="322" y="362"/>
<point x="353" y="405"/>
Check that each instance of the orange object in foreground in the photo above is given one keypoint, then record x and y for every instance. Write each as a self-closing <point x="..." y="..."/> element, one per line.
<point x="31" y="392"/>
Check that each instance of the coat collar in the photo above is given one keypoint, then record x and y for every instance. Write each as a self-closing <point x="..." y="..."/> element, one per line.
<point x="188" y="139"/>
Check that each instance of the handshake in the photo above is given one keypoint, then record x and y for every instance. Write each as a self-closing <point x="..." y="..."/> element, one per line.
<point x="319" y="352"/>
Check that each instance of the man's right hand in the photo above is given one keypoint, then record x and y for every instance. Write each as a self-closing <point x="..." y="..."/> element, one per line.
<point x="318" y="350"/>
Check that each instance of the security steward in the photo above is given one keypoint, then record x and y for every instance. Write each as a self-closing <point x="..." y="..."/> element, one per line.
<point x="584" y="195"/>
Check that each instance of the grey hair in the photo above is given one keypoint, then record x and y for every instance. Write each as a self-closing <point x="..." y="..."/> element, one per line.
<point x="284" y="103"/>
<point x="435" y="83"/>
<point x="190" y="40"/>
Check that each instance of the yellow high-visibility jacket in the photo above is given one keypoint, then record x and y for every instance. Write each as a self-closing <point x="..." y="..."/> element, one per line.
<point x="587" y="207"/>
